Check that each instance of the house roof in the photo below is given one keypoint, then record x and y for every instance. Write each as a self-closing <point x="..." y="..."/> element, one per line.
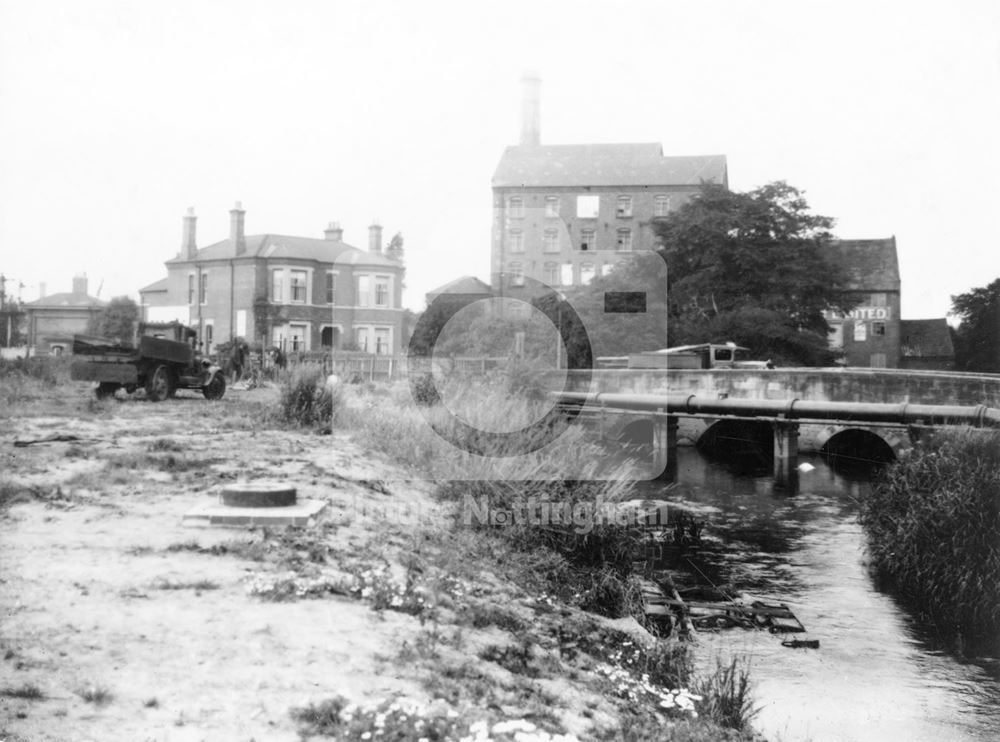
<point x="871" y="264"/>
<point x="604" y="165"/>
<point x="465" y="285"/>
<point x="160" y="285"/>
<point x="279" y="246"/>
<point x="67" y="299"/>
<point x="925" y="337"/>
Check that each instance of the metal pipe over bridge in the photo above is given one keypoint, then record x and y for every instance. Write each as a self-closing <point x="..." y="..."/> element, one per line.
<point x="785" y="416"/>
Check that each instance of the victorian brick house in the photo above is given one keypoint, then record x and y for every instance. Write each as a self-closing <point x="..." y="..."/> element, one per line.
<point x="297" y="293"/>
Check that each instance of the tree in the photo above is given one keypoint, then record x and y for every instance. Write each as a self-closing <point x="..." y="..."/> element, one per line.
<point x="978" y="336"/>
<point x="117" y="320"/>
<point x="752" y="268"/>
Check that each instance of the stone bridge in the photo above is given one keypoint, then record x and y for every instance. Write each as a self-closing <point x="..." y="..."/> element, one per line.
<point x="844" y="439"/>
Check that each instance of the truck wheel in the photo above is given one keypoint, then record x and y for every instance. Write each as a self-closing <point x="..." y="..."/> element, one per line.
<point x="158" y="384"/>
<point x="106" y="389"/>
<point x="215" y="388"/>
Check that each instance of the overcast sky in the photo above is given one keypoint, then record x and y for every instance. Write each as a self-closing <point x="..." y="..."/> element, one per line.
<point x="117" y="116"/>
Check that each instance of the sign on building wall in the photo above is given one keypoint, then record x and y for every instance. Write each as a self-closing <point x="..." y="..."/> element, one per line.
<point x="860" y="313"/>
<point x="860" y="332"/>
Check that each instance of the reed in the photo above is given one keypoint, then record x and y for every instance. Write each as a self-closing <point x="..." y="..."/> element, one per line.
<point x="932" y="522"/>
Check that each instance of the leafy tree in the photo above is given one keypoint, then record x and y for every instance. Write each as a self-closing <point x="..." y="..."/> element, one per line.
<point x="117" y="320"/>
<point x="978" y="336"/>
<point x="752" y="268"/>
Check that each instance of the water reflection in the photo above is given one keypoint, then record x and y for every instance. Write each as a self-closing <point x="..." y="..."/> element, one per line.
<point x="878" y="674"/>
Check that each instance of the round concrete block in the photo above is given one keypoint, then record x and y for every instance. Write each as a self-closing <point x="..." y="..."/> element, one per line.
<point x="258" y="495"/>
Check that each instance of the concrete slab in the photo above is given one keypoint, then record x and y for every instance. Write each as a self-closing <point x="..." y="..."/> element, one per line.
<point x="303" y="513"/>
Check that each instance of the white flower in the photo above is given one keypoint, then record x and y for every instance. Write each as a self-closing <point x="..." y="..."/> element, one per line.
<point x="518" y="725"/>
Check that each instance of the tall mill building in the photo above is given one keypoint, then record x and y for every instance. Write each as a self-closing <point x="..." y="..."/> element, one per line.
<point x="563" y="213"/>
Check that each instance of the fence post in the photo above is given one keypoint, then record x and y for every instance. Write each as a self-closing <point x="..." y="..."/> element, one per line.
<point x="371" y="369"/>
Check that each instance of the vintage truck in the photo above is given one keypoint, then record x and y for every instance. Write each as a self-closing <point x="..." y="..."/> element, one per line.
<point x="703" y="356"/>
<point x="165" y="358"/>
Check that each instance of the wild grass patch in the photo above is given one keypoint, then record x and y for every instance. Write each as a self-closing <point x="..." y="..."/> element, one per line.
<point x="196" y="585"/>
<point x="97" y="694"/>
<point x="307" y="400"/>
<point x="932" y="521"/>
<point x="727" y="695"/>
<point x="25" y="691"/>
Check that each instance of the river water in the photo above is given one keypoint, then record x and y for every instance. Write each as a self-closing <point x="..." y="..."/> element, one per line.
<point x="878" y="674"/>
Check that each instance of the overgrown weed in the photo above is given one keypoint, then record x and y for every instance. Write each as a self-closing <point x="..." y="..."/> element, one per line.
<point x="932" y="521"/>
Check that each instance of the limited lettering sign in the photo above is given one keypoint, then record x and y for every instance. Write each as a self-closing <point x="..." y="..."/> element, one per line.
<point x="860" y="313"/>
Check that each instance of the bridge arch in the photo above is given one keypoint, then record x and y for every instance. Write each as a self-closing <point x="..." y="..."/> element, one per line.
<point x="855" y="445"/>
<point x="746" y="444"/>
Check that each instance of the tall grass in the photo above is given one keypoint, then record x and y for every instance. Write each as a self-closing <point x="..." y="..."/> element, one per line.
<point x="933" y="525"/>
<point x="484" y="445"/>
<point x="727" y="698"/>
<point x="25" y="380"/>
<point x="307" y="400"/>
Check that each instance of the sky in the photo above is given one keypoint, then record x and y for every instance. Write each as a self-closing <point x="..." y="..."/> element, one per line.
<point x="115" y="117"/>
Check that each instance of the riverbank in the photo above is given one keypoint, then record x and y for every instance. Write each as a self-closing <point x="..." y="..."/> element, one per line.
<point x="119" y="623"/>
<point x="933" y="526"/>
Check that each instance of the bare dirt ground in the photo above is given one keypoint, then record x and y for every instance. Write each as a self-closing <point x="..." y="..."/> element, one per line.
<point x="118" y="622"/>
<point x="92" y="597"/>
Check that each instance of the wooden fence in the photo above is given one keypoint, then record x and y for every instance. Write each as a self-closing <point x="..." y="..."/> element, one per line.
<point x="369" y="367"/>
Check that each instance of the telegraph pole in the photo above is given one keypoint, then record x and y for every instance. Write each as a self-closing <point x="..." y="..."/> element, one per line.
<point x="3" y="308"/>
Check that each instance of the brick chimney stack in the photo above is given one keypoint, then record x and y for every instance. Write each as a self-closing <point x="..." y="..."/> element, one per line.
<point x="189" y="246"/>
<point x="375" y="238"/>
<point x="80" y="283"/>
<point x="236" y="234"/>
<point x="531" y="118"/>
<point x="334" y="233"/>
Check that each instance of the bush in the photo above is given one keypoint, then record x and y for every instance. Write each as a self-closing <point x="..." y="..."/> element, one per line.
<point x="425" y="391"/>
<point x="307" y="400"/>
<point x="932" y="522"/>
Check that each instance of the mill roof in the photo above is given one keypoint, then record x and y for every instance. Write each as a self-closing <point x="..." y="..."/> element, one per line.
<point x="871" y="264"/>
<point x="604" y="165"/>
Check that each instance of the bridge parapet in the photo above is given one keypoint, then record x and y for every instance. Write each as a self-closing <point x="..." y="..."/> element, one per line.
<point x="889" y="386"/>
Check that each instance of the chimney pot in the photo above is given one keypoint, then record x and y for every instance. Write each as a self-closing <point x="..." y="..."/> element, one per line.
<point x="375" y="238"/>
<point x="334" y="233"/>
